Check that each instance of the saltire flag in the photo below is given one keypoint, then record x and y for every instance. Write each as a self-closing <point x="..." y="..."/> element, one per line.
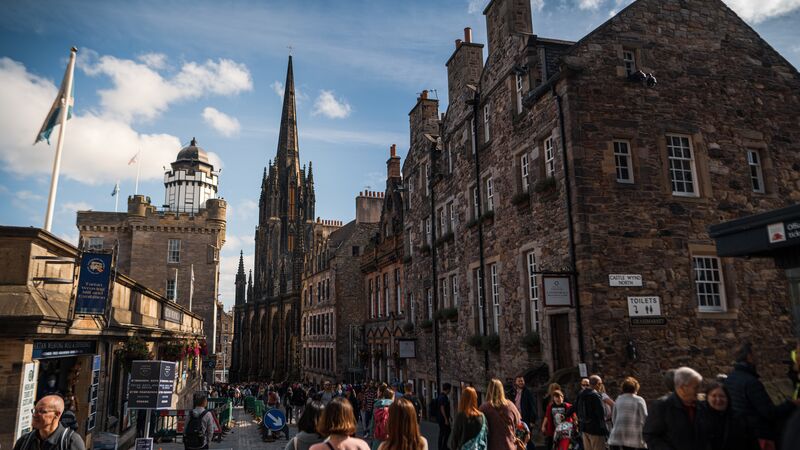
<point x="134" y="159"/>
<point x="116" y="190"/>
<point x="55" y="112"/>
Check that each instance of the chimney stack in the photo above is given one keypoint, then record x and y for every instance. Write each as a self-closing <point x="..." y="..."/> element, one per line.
<point x="393" y="166"/>
<point x="424" y="95"/>
<point x="458" y="44"/>
<point x="468" y="35"/>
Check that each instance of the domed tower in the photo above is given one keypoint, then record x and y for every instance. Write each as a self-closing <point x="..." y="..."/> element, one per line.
<point x="191" y="181"/>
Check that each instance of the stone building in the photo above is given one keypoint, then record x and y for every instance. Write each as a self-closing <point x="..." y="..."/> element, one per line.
<point x="665" y="132"/>
<point x="270" y="319"/>
<point x="382" y="268"/>
<point x="224" y="350"/>
<point x="333" y="310"/>
<point x="173" y="250"/>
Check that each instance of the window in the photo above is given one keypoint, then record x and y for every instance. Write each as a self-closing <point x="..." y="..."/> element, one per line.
<point x="479" y="295"/>
<point x="311" y="294"/>
<point x="386" y="299"/>
<point x="681" y="166"/>
<point x="174" y="251"/>
<point x="756" y="173"/>
<point x="629" y="59"/>
<point x="172" y="290"/>
<point x="489" y="194"/>
<point x="95" y="243"/>
<point x="472" y="137"/>
<point x="398" y="297"/>
<point x="475" y="200"/>
<point x="549" y="158"/>
<point x="449" y="157"/>
<point x="451" y="208"/>
<point x="533" y="291"/>
<point x="709" y="284"/>
<point x="622" y="162"/>
<point x="495" y="297"/>
<point x="443" y="221"/>
<point x="454" y="289"/>
<point x="410" y="242"/>
<point x="523" y="171"/>
<point x="429" y="299"/>
<point x="410" y="187"/>
<point x="413" y="307"/>
<point x="486" y="117"/>
<point x="371" y="300"/>
<point x="428" y="230"/>
<point x="427" y="179"/>
<point x="443" y="292"/>
<point x="519" y="93"/>
<point x="355" y="250"/>
<point x="378" y="295"/>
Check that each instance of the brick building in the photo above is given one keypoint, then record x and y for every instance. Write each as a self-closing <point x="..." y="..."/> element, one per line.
<point x="382" y="268"/>
<point x="224" y="350"/>
<point x="333" y="306"/>
<point x="173" y="250"/>
<point x="664" y="133"/>
<point x="269" y="319"/>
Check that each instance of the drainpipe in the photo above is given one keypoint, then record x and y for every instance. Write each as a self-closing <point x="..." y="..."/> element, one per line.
<point x="434" y="280"/>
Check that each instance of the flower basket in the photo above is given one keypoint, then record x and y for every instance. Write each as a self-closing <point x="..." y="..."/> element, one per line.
<point x="134" y="349"/>
<point x="450" y="314"/>
<point x="426" y="324"/>
<point x="532" y="342"/>
<point x="447" y="237"/>
<point x="491" y="343"/>
<point x="521" y="198"/>
<point x="488" y="215"/>
<point x="544" y="185"/>
<point x="425" y="249"/>
<point x="408" y="327"/>
<point x="406" y="259"/>
<point x="172" y="351"/>
<point x="475" y="340"/>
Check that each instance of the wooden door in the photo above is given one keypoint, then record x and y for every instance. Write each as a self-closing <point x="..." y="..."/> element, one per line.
<point x="562" y="344"/>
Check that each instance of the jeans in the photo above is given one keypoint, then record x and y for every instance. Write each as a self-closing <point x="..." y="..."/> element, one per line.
<point x="366" y="418"/>
<point x="444" y="435"/>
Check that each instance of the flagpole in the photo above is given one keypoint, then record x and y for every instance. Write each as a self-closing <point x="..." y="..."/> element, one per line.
<point x="175" y="297"/>
<point x="116" y="197"/>
<point x="138" y="166"/>
<point x="191" y="287"/>
<point x="51" y="199"/>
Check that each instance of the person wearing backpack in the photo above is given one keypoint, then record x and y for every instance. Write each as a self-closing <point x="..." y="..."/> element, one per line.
<point x="200" y="426"/>
<point x="470" y="427"/>
<point x="380" y="430"/>
<point x="412" y="397"/>
<point x="403" y="428"/>
<point x="48" y="433"/>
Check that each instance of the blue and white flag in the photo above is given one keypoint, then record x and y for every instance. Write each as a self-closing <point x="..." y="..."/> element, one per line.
<point x="55" y="111"/>
<point x="116" y="190"/>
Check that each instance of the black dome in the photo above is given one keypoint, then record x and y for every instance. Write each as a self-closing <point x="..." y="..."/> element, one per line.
<point x="192" y="153"/>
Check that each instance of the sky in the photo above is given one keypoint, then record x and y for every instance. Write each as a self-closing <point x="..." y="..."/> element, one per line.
<point x="150" y="75"/>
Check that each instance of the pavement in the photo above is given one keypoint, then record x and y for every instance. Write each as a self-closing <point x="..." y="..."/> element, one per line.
<point x="246" y="435"/>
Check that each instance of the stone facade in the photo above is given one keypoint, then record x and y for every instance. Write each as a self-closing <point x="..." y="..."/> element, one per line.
<point x="270" y="319"/>
<point x="162" y="248"/>
<point x="615" y="207"/>
<point x="333" y="306"/>
<point x="382" y="267"/>
<point x="224" y="350"/>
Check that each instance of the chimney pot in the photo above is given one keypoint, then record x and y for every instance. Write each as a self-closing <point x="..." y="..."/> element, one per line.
<point x="394" y="150"/>
<point x="424" y="95"/>
<point x="458" y="43"/>
<point x="468" y="35"/>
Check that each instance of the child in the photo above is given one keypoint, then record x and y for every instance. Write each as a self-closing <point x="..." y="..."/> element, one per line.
<point x="556" y="414"/>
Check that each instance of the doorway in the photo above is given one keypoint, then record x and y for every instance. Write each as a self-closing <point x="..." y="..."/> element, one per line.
<point x="561" y="341"/>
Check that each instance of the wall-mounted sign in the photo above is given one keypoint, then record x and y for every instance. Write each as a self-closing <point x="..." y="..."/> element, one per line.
<point x="776" y="233"/>
<point x="27" y="398"/>
<point x="624" y="280"/>
<point x="60" y="349"/>
<point x="648" y="321"/>
<point x="91" y="420"/>
<point x="171" y="314"/>
<point x="557" y="291"/>
<point x="406" y="348"/>
<point x="95" y="276"/>
<point x="151" y="384"/>
<point x="644" y="306"/>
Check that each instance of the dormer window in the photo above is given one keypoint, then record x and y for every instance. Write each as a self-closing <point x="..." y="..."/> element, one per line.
<point x="629" y="60"/>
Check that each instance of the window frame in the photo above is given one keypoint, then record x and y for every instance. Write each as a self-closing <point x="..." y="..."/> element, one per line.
<point x="495" y="282"/>
<point x="173" y="251"/>
<point x="489" y="194"/>
<point x="429" y="303"/>
<point x="756" y="170"/>
<point x="487" y="116"/>
<point x="549" y="158"/>
<point x="691" y="161"/>
<point x="720" y="283"/>
<point x="524" y="171"/>
<point x="519" y="82"/>
<point x="92" y="243"/>
<point x="626" y="157"/>
<point x="454" y="289"/>
<point x="626" y="61"/>
<point x="534" y="299"/>
<point x="173" y="295"/>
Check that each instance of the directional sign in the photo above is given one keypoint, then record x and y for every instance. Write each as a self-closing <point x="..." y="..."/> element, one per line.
<point x="274" y="420"/>
<point x="644" y="306"/>
<point x="624" y="279"/>
<point x="151" y="384"/>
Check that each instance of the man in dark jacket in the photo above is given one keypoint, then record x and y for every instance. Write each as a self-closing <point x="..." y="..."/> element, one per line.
<point x="526" y="405"/>
<point x="671" y="423"/>
<point x="750" y="400"/>
<point x="591" y="416"/>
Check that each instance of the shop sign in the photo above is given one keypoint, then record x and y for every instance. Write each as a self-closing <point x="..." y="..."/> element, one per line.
<point x="406" y="348"/>
<point x="783" y="231"/>
<point x="60" y="349"/>
<point x="151" y="384"/>
<point x="172" y="314"/>
<point x="624" y="280"/>
<point x="27" y="398"/>
<point x="91" y="420"/>
<point x="557" y="291"/>
<point x="92" y="294"/>
<point x="644" y="306"/>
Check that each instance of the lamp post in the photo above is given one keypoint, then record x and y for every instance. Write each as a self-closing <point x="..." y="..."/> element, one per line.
<point x="434" y="150"/>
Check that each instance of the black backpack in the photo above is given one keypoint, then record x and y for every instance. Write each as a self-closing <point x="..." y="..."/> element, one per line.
<point x="194" y="436"/>
<point x="433" y="409"/>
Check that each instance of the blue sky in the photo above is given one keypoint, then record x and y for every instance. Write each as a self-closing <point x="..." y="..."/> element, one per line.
<point x="153" y="74"/>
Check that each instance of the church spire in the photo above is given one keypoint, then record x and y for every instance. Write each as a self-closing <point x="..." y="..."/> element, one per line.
<point x="287" y="139"/>
<point x="241" y="282"/>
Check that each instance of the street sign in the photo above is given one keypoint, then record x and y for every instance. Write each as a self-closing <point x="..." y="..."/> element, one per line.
<point x="151" y="384"/>
<point x="144" y="444"/>
<point x="406" y="348"/>
<point x="624" y="280"/>
<point x="644" y="306"/>
<point x="274" y="420"/>
<point x="648" y="321"/>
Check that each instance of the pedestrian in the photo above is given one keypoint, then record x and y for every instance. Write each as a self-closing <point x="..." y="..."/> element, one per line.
<point x="591" y="415"/>
<point x="470" y="427"/>
<point x="68" y="419"/>
<point x="403" y="428"/>
<point x="327" y="393"/>
<point x="353" y="399"/>
<point x="717" y="424"/>
<point x="629" y="415"/>
<point x="671" y="423"/>
<point x="47" y="431"/>
<point x="557" y="412"/>
<point x="608" y="404"/>
<point x="307" y="428"/>
<point x="199" y="429"/>
<point x="287" y="404"/>
<point x="366" y="408"/>
<point x="412" y="397"/>
<point x="338" y="424"/>
<point x="526" y="405"/>
<point x="443" y="415"/>
<point x="380" y="432"/>
<point x="502" y="417"/>
<point x="750" y="400"/>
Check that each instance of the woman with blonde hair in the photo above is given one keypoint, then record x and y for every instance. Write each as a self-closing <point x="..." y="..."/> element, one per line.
<point x="338" y="424"/>
<point x="502" y="416"/>
<point x="403" y="429"/>
<point x="470" y="428"/>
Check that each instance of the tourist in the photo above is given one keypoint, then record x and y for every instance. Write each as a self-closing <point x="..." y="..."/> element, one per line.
<point x="558" y="411"/>
<point x="470" y="428"/>
<point x="412" y="397"/>
<point x="403" y="428"/>
<point x="526" y="405"/>
<point x="443" y="415"/>
<point x="591" y="415"/>
<point x="48" y="433"/>
<point x="629" y="415"/>
<point x="200" y="427"/>
<point x="338" y="424"/>
<point x="307" y="428"/>
<point x="502" y="417"/>
<point x="671" y="422"/>
<point x="719" y="427"/>
<point x="380" y="429"/>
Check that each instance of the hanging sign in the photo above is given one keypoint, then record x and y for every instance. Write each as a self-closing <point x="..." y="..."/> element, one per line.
<point x="95" y="277"/>
<point x="61" y="349"/>
<point x="27" y="398"/>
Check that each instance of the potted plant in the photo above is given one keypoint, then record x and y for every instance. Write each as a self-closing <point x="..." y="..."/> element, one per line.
<point x="488" y="215"/>
<point x="532" y="342"/>
<point x="475" y="340"/>
<point x="408" y="327"/>
<point x="521" y="198"/>
<point x="451" y="314"/>
<point x="426" y="324"/>
<point x="134" y="349"/>
<point x="172" y="351"/>
<point x="491" y="343"/>
<point x="544" y="185"/>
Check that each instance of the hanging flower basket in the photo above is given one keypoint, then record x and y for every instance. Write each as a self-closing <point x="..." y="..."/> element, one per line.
<point x="172" y="351"/>
<point x="134" y="349"/>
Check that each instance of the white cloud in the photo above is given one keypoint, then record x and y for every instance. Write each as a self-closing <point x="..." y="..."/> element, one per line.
<point x="589" y="4"/>
<point x="223" y="123"/>
<point x="329" y="106"/>
<point x="90" y="137"/>
<point x="475" y="6"/>
<point x="27" y="196"/>
<point x="156" y="61"/>
<point x="277" y="86"/>
<point x="756" y="11"/>
<point x="229" y="265"/>
<point x="140" y="92"/>
<point x="246" y="209"/>
<point x="537" y="5"/>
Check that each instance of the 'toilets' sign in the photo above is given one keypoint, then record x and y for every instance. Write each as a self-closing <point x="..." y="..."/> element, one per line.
<point x="644" y="306"/>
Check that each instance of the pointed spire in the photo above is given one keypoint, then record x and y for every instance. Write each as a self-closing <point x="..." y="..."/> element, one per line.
<point x="250" y="287"/>
<point x="241" y="263"/>
<point x="310" y="172"/>
<point x="287" y="139"/>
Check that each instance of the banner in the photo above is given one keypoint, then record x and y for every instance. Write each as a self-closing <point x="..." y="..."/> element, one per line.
<point x="93" y="283"/>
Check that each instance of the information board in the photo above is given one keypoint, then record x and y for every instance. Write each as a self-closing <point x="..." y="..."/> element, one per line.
<point x="27" y="398"/>
<point x="91" y="420"/>
<point x="151" y="384"/>
<point x="95" y="277"/>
